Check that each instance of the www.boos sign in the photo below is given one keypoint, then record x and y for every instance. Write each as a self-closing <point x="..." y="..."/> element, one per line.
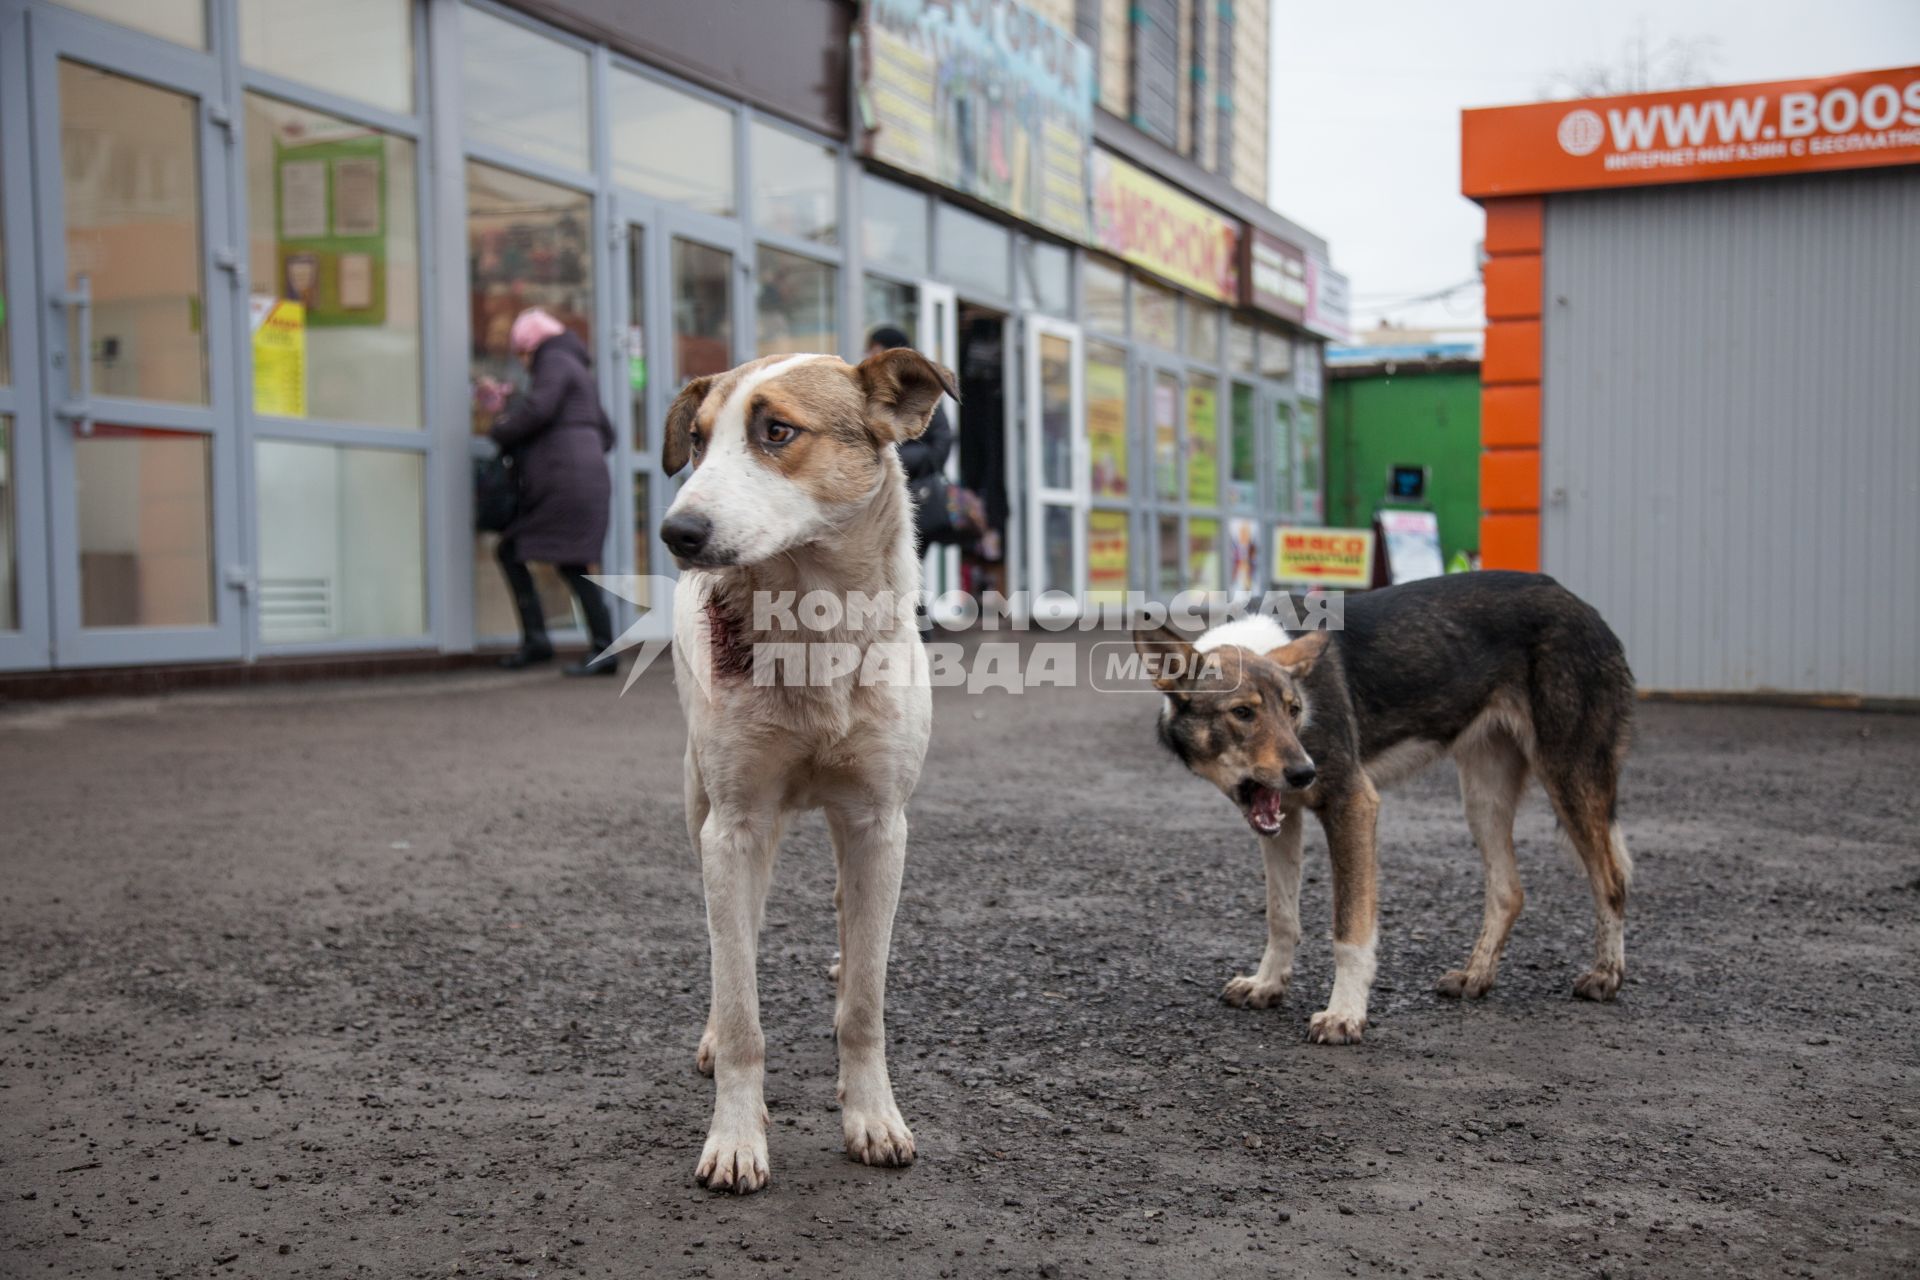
<point x="983" y="96"/>
<point x="1693" y="135"/>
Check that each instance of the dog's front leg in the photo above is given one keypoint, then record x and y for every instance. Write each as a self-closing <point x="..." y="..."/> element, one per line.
<point x="736" y="861"/>
<point x="1349" y="821"/>
<point x="1268" y="985"/>
<point x="871" y="847"/>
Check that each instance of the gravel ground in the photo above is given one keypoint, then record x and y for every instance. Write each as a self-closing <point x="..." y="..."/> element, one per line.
<point x="405" y="978"/>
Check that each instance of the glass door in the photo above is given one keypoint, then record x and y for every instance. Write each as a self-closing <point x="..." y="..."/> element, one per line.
<point x="1056" y="462"/>
<point x="937" y="330"/>
<point x="138" y="275"/>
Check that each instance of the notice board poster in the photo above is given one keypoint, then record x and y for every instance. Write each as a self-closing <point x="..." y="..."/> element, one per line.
<point x="1107" y="428"/>
<point x="1412" y="540"/>
<point x="330" y="199"/>
<point x="1203" y="445"/>
<point x="1107" y="551"/>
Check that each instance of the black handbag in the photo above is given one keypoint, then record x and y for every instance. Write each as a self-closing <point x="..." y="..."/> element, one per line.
<point x="496" y="493"/>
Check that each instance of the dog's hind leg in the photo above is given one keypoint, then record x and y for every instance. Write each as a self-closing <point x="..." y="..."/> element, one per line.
<point x="1268" y="985"/>
<point x="736" y="858"/>
<point x="1493" y="772"/>
<point x="1350" y="822"/>
<point x="871" y="848"/>
<point x="1583" y="798"/>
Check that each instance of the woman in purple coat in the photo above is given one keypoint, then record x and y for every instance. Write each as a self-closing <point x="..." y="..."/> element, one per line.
<point x="558" y="437"/>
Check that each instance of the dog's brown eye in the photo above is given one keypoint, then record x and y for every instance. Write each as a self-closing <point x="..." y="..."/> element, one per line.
<point x="780" y="432"/>
<point x="1243" y="713"/>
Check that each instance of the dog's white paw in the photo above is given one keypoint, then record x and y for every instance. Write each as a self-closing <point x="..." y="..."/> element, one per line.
<point x="733" y="1162"/>
<point x="703" y="1056"/>
<point x="878" y="1137"/>
<point x="833" y="970"/>
<point x="1463" y="984"/>
<point x="1597" y="984"/>
<point x="1249" y="991"/>
<point x="1336" y="1027"/>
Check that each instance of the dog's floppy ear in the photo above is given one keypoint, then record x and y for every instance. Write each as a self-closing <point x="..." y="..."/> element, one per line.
<point x="1170" y="656"/>
<point x="902" y="387"/>
<point x="677" y="446"/>
<point x="1297" y="658"/>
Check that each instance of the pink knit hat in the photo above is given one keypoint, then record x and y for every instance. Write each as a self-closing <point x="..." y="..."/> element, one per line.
<point x="531" y="328"/>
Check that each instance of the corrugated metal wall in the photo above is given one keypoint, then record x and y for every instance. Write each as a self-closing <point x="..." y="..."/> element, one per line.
<point x="1731" y="433"/>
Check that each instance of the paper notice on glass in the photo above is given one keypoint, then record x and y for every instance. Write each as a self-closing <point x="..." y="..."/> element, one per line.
<point x="280" y="362"/>
<point x="303" y="199"/>
<point x="355" y="281"/>
<point x="356" y="196"/>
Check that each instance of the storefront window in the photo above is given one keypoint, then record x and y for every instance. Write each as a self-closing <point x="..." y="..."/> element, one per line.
<point x="145" y="518"/>
<point x="670" y="144"/>
<point x="1108" y="563"/>
<point x="1203" y="441"/>
<point x="528" y="245"/>
<point x="523" y="92"/>
<point x="889" y="302"/>
<point x="794" y="304"/>
<point x="1046" y="277"/>
<point x="1240" y="344"/>
<point x="1166" y="437"/>
<point x="356" y="48"/>
<point x="181" y="21"/>
<point x="1156" y="314"/>
<point x="1057" y="555"/>
<point x="1056" y="412"/>
<point x="1170" y="574"/>
<point x="1281" y="447"/>
<point x="1203" y="555"/>
<point x="343" y="546"/>
<point x="796" y="189"/>
<point x="633" y="345"/>
<point x="1276" y="353"/>
<point x="1203" y="332"/>
<point x="973" y="252"/>
<point x="9" y="555"/>
<point x="893" y="226"/>
<point x="1106" y="391"/>
<point x="132" y="206"/>
<point x="334" y="231"/>
<point x="1307" y="479"/>
<point x="702" y="311"/>
<point x="1244" y="474"/>
<point x="1103" y="295"/>
<point x="6" y="342"/>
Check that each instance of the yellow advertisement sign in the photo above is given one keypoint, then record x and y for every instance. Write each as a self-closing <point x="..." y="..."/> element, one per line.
<point x="1325" y="557"/>
<point x="1107" y="427"/>
<point x="279" y="358"/>
<point x="1151" y="224"/>
<point x="1106" y="556"/>
<point x="1203" y="444"/>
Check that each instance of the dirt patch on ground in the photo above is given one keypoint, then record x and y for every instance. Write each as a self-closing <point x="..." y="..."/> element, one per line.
<point x="405" y="978"/>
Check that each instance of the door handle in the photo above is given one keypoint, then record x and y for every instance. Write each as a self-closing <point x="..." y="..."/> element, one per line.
<point x="78" y="302"/>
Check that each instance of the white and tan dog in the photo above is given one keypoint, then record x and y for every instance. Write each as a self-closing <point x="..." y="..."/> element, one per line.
<point x="797" y="489"/>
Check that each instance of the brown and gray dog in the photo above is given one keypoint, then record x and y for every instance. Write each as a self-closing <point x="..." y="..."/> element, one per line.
<point x="1509" y="673"/>
<point x="797" y="494"/>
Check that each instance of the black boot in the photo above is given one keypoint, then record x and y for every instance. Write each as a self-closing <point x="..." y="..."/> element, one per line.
<point x="534" y="645"/>
<point x="593" y="604"/>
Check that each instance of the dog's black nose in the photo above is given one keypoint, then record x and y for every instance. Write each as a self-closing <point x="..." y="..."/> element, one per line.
<point x="686" y="534"/>
<point x="1300" y="776"/>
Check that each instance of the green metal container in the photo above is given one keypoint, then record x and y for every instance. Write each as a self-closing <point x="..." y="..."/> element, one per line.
<point x="1410" y="414"/>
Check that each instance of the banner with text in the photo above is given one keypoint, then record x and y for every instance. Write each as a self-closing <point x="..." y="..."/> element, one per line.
<point x="985" y="97"/>
<point x="1151" y="224"/>
<point x="1693" y="135"/>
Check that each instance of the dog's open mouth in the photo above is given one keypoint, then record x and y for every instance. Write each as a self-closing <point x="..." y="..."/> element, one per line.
<point x="1261" y="804"/>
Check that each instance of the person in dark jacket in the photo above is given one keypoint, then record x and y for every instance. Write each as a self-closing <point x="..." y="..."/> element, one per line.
<point x="558" y="437"/>
<point x="926" y="455"/>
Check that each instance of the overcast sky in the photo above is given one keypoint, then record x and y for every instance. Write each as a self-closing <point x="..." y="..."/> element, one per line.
<point x="1366" y="107"/>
